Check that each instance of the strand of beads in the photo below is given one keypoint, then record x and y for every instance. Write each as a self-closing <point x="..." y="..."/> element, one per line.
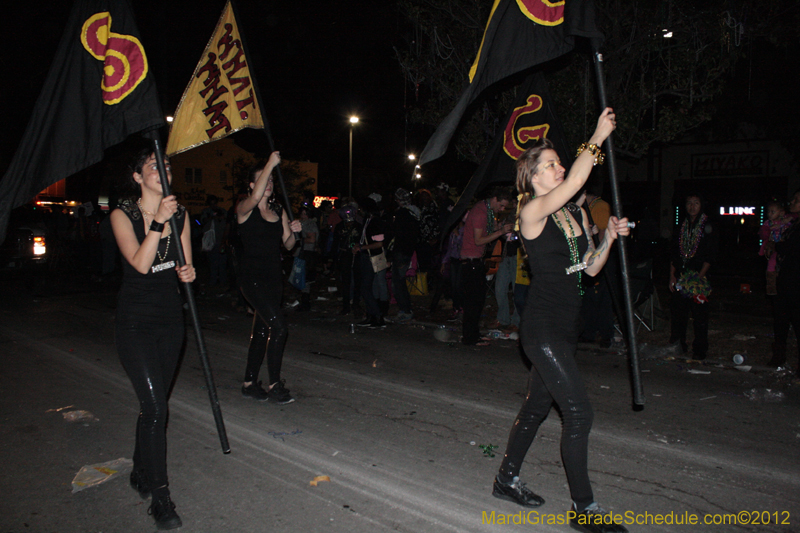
<point x="689" y="241"/>
<point x="572" y="242"/>
<point x="166" y="248"/>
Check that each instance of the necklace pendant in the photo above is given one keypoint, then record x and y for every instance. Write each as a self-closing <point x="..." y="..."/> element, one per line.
<point x="577" y="267"/>
<point x="162" y="266"/>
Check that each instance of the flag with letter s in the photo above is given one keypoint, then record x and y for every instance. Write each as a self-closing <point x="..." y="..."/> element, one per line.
<point x="520" y="34"/>
<point x="99" y="90"/>
<point x="531" y="117"/>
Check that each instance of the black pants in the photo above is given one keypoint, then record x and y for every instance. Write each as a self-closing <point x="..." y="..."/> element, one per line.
<point x="680" y="308"/>
<point x="473" y="289"/>
<point x="269" y="328"/>
<point x="149" y="353"/>
<point x="555" y="378"/>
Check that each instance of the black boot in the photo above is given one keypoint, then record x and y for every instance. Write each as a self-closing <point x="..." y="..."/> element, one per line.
<point x="384" y="307"/>
<point x="778" y="355"/>
<point x="163" y="510"/>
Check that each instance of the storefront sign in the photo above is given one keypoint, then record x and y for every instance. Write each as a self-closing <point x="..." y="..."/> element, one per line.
<point x="733" y="164"/>
<point x="738" y="211"/>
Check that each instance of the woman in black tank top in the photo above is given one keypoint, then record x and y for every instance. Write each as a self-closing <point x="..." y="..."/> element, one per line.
<point x="554" y="234"/>
<point x="263" y="227"/>
<point x="149" y="323"/>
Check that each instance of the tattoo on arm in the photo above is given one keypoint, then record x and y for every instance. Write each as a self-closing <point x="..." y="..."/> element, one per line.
<point x="593" y="253"/>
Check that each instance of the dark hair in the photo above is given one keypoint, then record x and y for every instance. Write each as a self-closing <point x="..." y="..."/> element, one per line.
<point x="699" y="196"/>
<point x="501" y="193"/>
<point x="272" y="201"/>
<point x="129" y="188"/>
<point x="258" y="167"/>
<point x="136" y="163"/>
<point x="370" y="206"/>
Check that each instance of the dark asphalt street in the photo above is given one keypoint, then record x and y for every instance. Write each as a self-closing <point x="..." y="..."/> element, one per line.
<point x="395" y="418"/>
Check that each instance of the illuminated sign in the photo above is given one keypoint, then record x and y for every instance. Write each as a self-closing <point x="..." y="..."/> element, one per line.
<point x="738" y="211"/>
<point x="319" y="199"/>
<point x="732" y="164"/>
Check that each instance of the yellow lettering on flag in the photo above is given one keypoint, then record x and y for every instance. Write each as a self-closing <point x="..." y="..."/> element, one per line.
<point x="220" y="98"/>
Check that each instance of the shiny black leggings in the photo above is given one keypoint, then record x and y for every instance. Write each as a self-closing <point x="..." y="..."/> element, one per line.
<point x="150" y="354"/>
<point x="554" y="378"/>
<point x="269" y="328"/>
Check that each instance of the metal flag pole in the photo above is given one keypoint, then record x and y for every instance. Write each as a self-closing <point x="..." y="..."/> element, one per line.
<point x="633" y="356"/>
<point x="201" y="344"/>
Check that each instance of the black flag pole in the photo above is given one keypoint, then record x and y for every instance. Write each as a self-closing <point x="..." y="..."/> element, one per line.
<point x="201" y="344"/>
<point x="633" y="356"/>
<point x="260" y="101"/>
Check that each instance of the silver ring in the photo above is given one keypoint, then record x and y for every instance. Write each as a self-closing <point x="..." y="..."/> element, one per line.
<point x="631" y="225"/>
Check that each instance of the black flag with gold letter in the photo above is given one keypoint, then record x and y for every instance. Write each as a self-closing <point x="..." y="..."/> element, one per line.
<point x="99" y="90"/>
<point x="520" y="34"/>
<point x="531" y="117"/>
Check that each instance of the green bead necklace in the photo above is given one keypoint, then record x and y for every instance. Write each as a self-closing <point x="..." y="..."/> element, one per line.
<point x="572" y="242"/>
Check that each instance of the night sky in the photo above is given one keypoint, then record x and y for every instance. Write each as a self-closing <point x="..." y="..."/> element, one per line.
<point x="317" y="62"/>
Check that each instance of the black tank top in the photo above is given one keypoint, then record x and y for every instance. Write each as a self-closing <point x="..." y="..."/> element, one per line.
<point x="552" y="309"/>
<point x="261" y="243"/>
<point x="151" y="297"/>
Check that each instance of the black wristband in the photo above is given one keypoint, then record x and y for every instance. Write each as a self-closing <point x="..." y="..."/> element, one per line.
<point x="157" y="226"/>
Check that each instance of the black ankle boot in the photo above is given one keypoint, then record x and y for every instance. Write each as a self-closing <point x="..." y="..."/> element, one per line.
<point x="163" y="511"/>
<point x="139" y="482"/>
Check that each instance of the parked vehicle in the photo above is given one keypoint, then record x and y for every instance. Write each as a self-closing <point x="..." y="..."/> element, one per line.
<point x="25" y="245"/>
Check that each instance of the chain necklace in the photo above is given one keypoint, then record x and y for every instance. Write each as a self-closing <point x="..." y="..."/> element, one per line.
<point x="166" y="248"/>
<point x="572" y="242"/>
<point x="689" y="239"/>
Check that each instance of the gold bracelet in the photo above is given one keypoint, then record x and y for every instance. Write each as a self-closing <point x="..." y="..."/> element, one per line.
<point x="599" y="156"/>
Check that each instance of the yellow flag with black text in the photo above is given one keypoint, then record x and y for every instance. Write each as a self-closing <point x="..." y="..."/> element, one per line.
<point x="221" y="98"/>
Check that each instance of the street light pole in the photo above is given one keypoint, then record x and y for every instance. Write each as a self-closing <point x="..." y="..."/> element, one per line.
<point x="353" y="122"/>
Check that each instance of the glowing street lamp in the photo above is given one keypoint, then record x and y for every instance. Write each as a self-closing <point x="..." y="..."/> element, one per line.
<point x="353" y="122"/>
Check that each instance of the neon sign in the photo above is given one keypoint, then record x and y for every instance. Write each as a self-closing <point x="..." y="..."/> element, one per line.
<point x="738" y="211"/>
<point x="319" y="199"/>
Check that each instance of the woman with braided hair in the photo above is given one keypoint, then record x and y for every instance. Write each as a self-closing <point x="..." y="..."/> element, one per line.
<point x="554" y="235"/>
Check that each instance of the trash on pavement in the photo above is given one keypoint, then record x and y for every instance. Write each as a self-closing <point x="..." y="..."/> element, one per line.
<point x="738" y="359"/>
<point x="740" y="337"/>
<point x="281" y="434"/>
<point x="79" y="416"/>
<point x="765" y="395"/>
<point x="488" y="449"/>
<point x="443" y="334"/>
<point x="59" y="409"/>
<point x="93" y="475"/>
<point x="695" y="371"/>
<point x="318" y="479"/>
<point x="743" y="368"/>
